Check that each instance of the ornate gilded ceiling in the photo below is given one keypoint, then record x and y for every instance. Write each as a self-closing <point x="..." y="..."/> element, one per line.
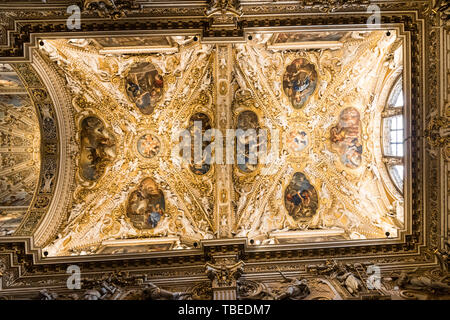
<point x="19" y="150"/>
<point x="355" y="181"/>
<point x="319" y="96"/>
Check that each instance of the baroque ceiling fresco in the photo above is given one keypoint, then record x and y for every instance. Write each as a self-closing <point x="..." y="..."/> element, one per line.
<point x="19" y="150"/>
<point x="317" y="94"/>
<point x="321" y="171"/>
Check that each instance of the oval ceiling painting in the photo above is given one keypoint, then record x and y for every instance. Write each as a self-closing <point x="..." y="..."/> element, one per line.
<point x="199" y="123"/>
<point x="146" y="205"/>
<point x="299" y="82"/>
<point x="345" y="138"/>
<point x="144" y="86"/>
<point x="247" y="143"/>
<point x="97" y="148"/>
<point x="300" y="198"/>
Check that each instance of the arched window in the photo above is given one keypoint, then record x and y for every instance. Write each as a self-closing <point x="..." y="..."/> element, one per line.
<point x="393" y="135"/>
<point x="393" y="127"/>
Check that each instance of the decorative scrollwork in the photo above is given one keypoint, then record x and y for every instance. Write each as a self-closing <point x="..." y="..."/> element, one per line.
<point x="224" y="7"/>
<point x="114" y="9"/>
<point x="442" y="7"/>
<point x="437" y="132"/>
<point x="224" y="275"/>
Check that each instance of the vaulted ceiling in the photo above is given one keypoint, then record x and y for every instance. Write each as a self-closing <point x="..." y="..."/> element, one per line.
<point x="353" y="96"/>
<point x="19" y="150"/>
<point x="319" y="95"/>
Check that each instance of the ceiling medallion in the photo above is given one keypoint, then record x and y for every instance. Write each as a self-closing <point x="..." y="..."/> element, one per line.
<point x="148" y="145"/>
<point x="297" y="141"/>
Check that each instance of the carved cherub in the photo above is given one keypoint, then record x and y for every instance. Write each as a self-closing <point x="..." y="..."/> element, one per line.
<point x="153" y="292"/>
<point x="340" y="272"/>
<point x="98" y="3"/>
<point x="420" y="282"/>
<point x="348" y="279"/>
<point x="92" y="294"/>
<point x="44" y="294"/>
<point x="443" y="257"/>
<point x="297" y="289"/>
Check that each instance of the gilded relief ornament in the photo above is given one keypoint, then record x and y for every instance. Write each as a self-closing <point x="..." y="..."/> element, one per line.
<point x="223" y="7"/>
<point x="113" y="9"/>
<point x="438" y="132"/>
<point x="442" y="7"/>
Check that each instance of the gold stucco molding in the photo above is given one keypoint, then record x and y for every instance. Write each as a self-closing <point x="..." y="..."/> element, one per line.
<point x="62" y="197"/>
